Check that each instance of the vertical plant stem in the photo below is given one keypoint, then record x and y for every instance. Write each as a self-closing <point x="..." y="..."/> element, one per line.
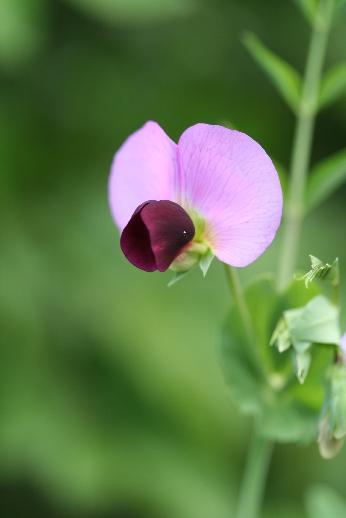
<point x="254" y="479"/>
<point x="239" y="300"/>
<point x="301" y="151"/>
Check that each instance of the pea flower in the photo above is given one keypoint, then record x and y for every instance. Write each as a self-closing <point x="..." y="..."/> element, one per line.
<point x="216" y="192"/>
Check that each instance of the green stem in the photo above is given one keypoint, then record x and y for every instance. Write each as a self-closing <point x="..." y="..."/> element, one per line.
<point x="254" y="480"/>
<point x="253" y="483"/>
<point x="239" y="300"/>
<point x="301" y="151"/>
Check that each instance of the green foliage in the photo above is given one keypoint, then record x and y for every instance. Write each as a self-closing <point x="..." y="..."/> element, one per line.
<point x="333" y="85"/>
<point x="321" y="270"/>
<point x="324" y="502"/>
<point x="317" y="322"/>
<point x="205" y="262"/>
<point x="303" y="361"/>
<point x="328" y="445"/>
<point x="325" y="178"/>
<point x="338" y="400"/>
<point x="333" y="422"/>
<point x="177" y="277"/>
<point x="22" y="30"/>
<point x="197" y="255"/>
<point x="285" y="409"/>
<point x="89" y="400"/>
<point x="283" y="76"/>
<point x="117" y="11"/>
<point x="308" y="8"/>
<point x="340" y="3"/>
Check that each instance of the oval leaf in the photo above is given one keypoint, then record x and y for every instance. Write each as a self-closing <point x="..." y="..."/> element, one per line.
<point x="333" y="85"/>
<point x="325" y="178"/>
<point x="284" y="77"/>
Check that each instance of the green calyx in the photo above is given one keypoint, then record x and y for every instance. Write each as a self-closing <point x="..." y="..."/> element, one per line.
<point x="197" y="253"/>
<point x="199" y="224"/>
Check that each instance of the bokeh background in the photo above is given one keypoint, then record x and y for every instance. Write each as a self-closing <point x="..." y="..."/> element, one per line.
<point x="112" y="402"/>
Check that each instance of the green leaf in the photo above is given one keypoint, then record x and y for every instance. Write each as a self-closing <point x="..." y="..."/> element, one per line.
<point x="325" y="178"/>
<point x="238" y="368"/>
<point x="318" y="323"/>
<point x="312" y="392"/>
<point x="178" y="276"/>
<point x="333" y="85"/>
<point x="284" y="77"/>
<point x="338" y="401"/>
<point x="323" y="502"/>
<point x="332" y="431"/>
<point x="303" y="360"/>
<point x="322" y="270"/>
<point x="285" y="410"/>
<point x="281" y="336"/>
<point x="205" y="262"/>
<point x="308" y="8"/>
<point x="287" y="422"/>
<point x="328" y="445"/>
<point x="248" y="387"/>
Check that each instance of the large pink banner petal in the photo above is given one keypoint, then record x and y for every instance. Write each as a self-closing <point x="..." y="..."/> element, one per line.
<point x="144" y="168"/>
<point x="230" y="180"/>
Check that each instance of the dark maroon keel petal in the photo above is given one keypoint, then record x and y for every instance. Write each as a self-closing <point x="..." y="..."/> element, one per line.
<point x="170" y="230"/>
<point x="156" y="234"/>
<point x="135" y="243"/>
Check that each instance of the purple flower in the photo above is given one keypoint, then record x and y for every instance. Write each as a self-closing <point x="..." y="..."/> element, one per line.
<point x="216" y="191"/>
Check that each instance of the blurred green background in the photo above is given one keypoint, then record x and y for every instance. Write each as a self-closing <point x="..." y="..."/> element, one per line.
<point x="112" y="402"/>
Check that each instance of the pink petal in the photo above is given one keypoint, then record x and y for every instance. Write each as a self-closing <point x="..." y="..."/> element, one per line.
<point x="143" y="169"/>
<point x="229" y="179"/>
